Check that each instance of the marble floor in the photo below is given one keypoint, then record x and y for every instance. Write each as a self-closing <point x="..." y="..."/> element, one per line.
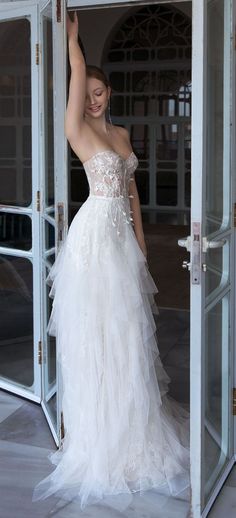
<point x="25" y="441"/>
<point x="225" y="504"/>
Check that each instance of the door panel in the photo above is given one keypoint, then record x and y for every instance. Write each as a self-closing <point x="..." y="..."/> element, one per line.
<point x="211" y="253"/>
<point x="216" y="450"/>
<point x="53" y="188"/>
<point x="19" y="219"/>
<point x="49" y="381"/>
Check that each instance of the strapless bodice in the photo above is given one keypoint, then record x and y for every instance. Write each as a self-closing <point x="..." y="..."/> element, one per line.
<point x="109" y="174"/>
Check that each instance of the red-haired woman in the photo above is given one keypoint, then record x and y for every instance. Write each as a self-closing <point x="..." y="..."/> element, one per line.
<point x="123" y="434"/>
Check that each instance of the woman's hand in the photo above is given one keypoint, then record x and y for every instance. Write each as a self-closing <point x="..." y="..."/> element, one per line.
<point x="72" y="26"/>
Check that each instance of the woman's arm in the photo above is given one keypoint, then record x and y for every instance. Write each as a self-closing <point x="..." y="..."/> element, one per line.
<point x="77" y="90"/>
<point x="137" y="216"/>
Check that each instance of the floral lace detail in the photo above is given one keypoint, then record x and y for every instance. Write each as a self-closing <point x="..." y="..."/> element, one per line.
<point x="109" y="174"/>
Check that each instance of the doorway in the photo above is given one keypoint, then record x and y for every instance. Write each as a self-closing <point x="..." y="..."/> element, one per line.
<point x="146" y="54"/>
<point x="165" y="203"/>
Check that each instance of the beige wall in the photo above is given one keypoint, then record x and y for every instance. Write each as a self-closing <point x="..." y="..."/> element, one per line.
<point x="97" y="24"/>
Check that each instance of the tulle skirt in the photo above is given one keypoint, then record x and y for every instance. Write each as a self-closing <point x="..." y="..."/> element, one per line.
<point x="123" y="433"/>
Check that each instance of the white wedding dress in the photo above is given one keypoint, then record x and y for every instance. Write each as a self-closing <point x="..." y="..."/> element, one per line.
<point x="123" y="433"/>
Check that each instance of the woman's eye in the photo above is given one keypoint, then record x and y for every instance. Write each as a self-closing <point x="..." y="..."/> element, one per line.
<point x="98" y="94"/>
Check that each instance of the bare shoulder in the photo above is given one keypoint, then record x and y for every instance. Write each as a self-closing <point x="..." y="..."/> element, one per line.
<point x="123" y="132"/>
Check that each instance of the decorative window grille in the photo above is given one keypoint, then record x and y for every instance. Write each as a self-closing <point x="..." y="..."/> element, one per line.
<point x="148" y="62"/>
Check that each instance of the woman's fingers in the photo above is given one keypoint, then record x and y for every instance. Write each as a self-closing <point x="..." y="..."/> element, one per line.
<point x="72" y="24"/>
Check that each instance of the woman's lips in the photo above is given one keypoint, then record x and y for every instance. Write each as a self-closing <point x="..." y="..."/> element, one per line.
<point x="95" y="108"/>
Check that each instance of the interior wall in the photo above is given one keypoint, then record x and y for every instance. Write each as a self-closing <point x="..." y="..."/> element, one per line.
<point x="95" y="26"/>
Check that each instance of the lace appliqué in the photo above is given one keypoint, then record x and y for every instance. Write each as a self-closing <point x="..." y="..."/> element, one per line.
<point x="109" y="176"/>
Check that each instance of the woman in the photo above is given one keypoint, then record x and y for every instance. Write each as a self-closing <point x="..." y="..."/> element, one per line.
<point x="123" y="434"/>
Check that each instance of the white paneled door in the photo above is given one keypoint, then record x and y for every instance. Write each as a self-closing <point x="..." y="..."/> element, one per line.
<point x="211" y="252"/>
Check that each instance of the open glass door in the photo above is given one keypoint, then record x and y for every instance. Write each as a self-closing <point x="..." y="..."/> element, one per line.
<point x="19" y="216"/>
<point x="211" y="250"/>
<point x="33" y="198"/>
<point x="53" y="190"/>
<point x="48" y="226"/>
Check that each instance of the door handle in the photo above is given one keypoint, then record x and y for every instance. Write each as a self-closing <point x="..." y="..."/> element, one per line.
<point x="212" y="244"/>
<point x="185" y="242"/>
<point x="193" y="245"/>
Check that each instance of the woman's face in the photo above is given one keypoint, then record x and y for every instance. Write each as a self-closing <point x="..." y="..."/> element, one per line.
<point x="97" y="96"/>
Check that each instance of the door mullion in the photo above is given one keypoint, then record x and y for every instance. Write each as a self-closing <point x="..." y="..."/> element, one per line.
<point x="196" y="303"/>
<point x="36" y="231"/>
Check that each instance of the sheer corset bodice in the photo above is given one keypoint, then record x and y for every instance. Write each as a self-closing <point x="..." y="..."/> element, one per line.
<point x="109" y="174"/>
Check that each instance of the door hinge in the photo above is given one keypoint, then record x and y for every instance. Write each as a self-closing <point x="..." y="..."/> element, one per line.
<point x="62" y="428"/>
<point x="38" y="199"/>
<point x="40" y="352"/>
<point x="58" y="11"/>
<point x="37" y="53"/>
<point x="235" y="215"/>
<point x="234" y="401"/>
<point x="60" y="222"/>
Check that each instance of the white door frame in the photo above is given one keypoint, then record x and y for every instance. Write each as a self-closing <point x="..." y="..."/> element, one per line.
<point x="59" y="221"/>
<point x="60" y="152"/>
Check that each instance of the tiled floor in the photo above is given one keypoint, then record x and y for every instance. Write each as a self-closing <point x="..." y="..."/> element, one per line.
<point x="225" y="504"/>
<point x="25" y="442"/>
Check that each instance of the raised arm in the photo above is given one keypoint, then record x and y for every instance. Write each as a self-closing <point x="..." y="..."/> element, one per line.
<point x="77" y="89"/>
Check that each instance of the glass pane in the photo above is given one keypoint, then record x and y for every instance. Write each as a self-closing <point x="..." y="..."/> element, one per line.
<point x="118" y="105"/>
<point x="140" y="142"/>
<point x="48" y="112"/>
<point x="15" y="107"/>
<point x="217" y="167"/>
<point x="51" y="258"/>
<point x="79" y="183"/>
<point x="216" y="439"/>
<point x="166" y="188"/>
<point x="217" y="273"/>
<point x="216" y="375"/>
<point x="168" y="105"/>
<point x="49" y="235"/>
<point x="187" y="161"/>
<point x="16" y="323"/>
<point x="166" y="165"/>
<point x="117" y="80"/>
<point x="50" y="395"/>
<point x="15" y="231"/>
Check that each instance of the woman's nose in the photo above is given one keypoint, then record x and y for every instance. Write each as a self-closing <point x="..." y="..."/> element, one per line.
<point x="91" y="99"/>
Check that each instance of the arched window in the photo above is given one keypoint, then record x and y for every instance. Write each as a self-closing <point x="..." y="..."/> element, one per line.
<point x="148" y="61"/>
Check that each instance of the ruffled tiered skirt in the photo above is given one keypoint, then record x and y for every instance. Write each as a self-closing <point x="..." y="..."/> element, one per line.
<point x="122" y="431"/>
